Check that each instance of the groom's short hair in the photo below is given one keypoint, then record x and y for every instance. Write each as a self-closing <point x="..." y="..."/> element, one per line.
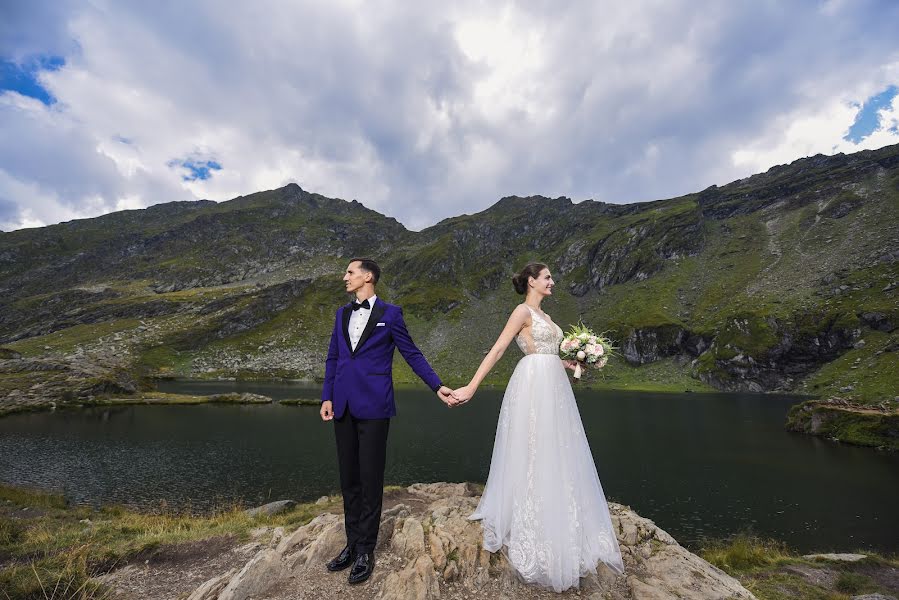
<point x="367" y="264"/>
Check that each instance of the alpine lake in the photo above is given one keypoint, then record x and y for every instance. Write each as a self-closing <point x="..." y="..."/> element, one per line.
<point x="698" y="464"/>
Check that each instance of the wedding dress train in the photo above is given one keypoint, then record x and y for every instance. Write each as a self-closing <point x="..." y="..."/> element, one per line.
<point x="543" y="500"/>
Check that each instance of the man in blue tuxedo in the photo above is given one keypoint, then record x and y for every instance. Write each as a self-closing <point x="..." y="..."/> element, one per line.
<point x="358" y="396"/>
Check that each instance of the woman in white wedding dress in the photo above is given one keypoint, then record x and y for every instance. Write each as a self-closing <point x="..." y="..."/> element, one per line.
<point x="543" y="500"/>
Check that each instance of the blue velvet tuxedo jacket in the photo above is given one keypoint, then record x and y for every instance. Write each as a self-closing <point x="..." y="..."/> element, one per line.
<point x="362" y="381"/>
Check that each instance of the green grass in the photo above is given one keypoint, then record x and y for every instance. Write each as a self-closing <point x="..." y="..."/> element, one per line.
<point x="660" y="376"/>
<point x="854" y="583"/>
<point x="744" y="552"/>
<point x="59" y="546"/>
<point x="788" y="586"/>
<point x="65" y="340"/>
<point x="20" y="496"/>
<point x="164" y="361"/>
<point x="772" y="571"/>
<point x="869" y="370"/>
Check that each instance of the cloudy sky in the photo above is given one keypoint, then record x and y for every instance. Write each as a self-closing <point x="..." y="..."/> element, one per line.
<point x="427" y="110"/>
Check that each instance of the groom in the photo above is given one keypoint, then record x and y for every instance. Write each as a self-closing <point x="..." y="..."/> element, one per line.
<point x="358" y="396"/>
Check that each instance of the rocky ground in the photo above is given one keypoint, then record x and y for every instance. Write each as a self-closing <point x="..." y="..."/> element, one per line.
<point x="427" y="549"/>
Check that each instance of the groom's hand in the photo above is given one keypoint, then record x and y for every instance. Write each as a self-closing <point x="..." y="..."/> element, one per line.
<point x="327" y="411"/>
<point x="446" y="396"/>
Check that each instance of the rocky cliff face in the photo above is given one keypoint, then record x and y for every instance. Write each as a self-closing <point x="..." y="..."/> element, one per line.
<point x="775" y="282"/>
<point x="428" y="549"/>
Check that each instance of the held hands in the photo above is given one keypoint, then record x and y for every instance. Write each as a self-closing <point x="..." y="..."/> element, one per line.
<point x="454" y="398"/>
<point x="462" y="395"/>
<point x="570" y="364"/>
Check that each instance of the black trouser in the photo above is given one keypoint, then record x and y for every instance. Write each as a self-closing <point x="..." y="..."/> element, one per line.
<point x="361" y="455"/>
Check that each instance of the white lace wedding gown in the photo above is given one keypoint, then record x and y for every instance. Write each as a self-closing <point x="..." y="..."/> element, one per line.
<point x="543" y="500"/>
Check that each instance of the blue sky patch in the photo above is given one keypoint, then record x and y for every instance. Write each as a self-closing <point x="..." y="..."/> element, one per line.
<point x="196" y="169"/>
<point x="867" y="120"/>
<point x="23" y="77"/>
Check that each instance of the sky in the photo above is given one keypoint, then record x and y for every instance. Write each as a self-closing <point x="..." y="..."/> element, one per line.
<point x="427" y="110"/>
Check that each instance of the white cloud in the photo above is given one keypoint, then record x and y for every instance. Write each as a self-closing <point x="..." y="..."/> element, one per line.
<point x="428" y="110"/>
<point x="822" y="129"/>
<point x="40" y="208"/>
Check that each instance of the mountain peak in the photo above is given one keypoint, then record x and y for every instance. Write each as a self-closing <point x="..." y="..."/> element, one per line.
<point x="530" y="203"/>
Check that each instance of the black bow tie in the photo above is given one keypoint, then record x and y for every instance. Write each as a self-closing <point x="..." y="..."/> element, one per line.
<point x="364" y="304"/>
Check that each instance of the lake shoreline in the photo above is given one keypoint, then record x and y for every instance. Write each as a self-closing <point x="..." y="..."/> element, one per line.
<point x="830" y="419"/>
<point x="873" y="433"/>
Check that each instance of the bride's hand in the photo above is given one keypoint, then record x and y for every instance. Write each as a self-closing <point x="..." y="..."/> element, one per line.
<point x="570" y="364"/>
<point x="463" y="394"/>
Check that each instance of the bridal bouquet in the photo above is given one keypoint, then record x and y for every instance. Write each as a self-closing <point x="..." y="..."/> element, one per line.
<point x="587" y="348"/>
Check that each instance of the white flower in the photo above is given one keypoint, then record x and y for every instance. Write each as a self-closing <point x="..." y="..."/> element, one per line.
<point x="600" y="350"/>
<point x="581" y="355"/>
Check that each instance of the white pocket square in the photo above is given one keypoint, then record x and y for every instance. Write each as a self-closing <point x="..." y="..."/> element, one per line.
<point x="381" y="325"/>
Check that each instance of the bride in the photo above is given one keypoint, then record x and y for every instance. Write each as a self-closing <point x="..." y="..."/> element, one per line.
<point x="543" y="501"/>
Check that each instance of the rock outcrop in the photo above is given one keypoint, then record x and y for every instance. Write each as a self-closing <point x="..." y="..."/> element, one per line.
<point x="50" y="382"/>
<point x="841" y="420"/>
<point x="427" y="548"/>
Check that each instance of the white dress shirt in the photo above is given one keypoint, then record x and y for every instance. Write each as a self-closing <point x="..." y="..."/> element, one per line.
<point x="358" y="321"/>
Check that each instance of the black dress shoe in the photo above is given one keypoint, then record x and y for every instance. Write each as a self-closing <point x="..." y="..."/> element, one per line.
<point x="342" y="560"/>
<point x="362" y="568"/>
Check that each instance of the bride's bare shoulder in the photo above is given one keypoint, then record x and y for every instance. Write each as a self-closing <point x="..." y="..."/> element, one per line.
<point x="521" y="312"/>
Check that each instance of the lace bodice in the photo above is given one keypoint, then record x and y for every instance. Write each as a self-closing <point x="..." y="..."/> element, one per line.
<point x="543" y="338"/>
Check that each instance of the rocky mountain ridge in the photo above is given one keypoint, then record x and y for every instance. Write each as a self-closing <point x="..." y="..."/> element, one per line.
<point x="783" y="281"/>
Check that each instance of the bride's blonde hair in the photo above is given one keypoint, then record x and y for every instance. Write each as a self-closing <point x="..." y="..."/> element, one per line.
<point x="520" y="281"/>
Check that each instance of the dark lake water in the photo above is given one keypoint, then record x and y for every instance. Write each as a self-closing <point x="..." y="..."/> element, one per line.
<point x="699" y="465"/>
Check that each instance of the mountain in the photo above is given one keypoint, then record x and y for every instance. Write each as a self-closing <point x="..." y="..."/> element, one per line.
<point x="783" y="281"/>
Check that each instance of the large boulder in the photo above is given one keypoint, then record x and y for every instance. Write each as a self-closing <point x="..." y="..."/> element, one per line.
<point x="429" y="549"/>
